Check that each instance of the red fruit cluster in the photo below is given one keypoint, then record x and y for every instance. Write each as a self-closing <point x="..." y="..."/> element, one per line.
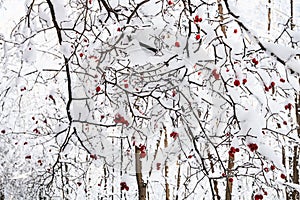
<point x="124" y="186"/>
<point x="197" y="19"/>
<point x="232" y="151"/>
<point x="142" y="151"/>
<point x="258" y="196"/>
<point x="252" y="147"/>
<point x="170" y="3"/>
<point x="288" y="106"/>
<point x="237" y="83"/>
<point x="244" y="81"/>
<point x="93" y="156"/>
<point x="120" y="119"/>
<point x="254" y="61"/>
<point x="174" y="135"/>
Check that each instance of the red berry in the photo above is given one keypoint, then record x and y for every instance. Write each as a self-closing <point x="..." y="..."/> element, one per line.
<point x="81" y="55"/>
<point x="235" y="31"/>
<point x="254" y="60"/>
<point x="119" y="29"/>
<point x="126" y="85"/>
<point x="272" y="84"/>
<point x="198" y="37"/>
<point x="273" y="167"/>
<point x="284" y="122"/>
<point x="190" y="156"/>
<point x="244" y="81"/>
<point x="98" y="89"/>
<point x="282" y="80"/>
<point x="177" y="44"/>
<point x="230" y="180"/>
<point x="223" y="174"/>
<point x="266" y="169"/>
<point x="266" y="88"/>
<point x="170" y="2"/>
<point x="282" y="176"/>
<point x="236" y="83"/>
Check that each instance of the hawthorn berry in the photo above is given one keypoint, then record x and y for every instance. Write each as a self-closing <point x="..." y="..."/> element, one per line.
<point x="170" y="3"/>
<point x="273" y="167"/>
<point x="284" y="122"/>
<point x="272" y="84"/>
<point x="282" y="176"/>
<point x="81" y="55"/>
<point x="282" y="80"/>
<point x="198" y="37"/>
<point x="235" y="31"/>
<point x="98" y="89"/>
<point x="230" y="180"/>
<point x="244" y="81"/>
<point x="177" y="44"/>
<point x="266" y="169"/>
<point x="236" y="83"/>
<point x="118" y="29"/>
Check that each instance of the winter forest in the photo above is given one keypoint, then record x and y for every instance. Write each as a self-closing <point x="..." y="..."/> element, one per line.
<point x="149" y="99"/>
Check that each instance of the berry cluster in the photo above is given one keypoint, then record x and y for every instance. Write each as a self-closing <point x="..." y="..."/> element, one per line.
<point x="288" y="106"/>
<point x="232" y="151"/>
<point x="143" y="151"/>
<point x="124" y="186"/>
<point x="120" y="119"/>
<point x="254" y="61"/>
<point x="174" y="135"/>
<point x="253" y="147"/>
<point x="197" y="19"/>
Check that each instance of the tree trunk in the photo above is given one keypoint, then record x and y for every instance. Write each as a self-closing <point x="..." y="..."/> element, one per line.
<point x="139" y="177"/>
